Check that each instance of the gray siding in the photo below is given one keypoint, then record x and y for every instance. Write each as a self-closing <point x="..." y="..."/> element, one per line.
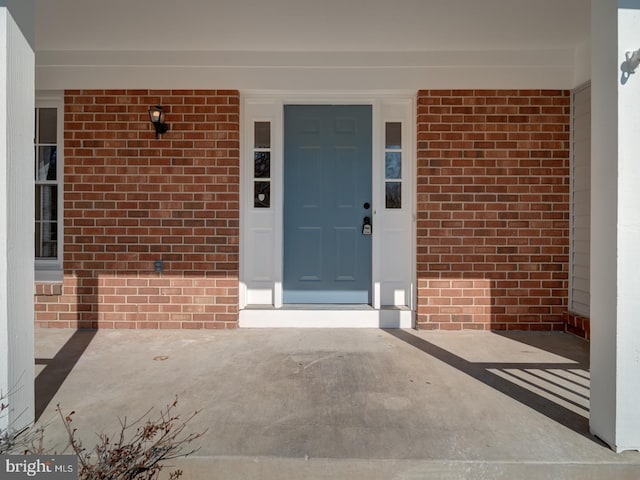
<point x="579" y="295"/>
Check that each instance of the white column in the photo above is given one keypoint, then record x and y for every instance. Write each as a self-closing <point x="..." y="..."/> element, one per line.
<point x="17" y="83"/>
<point x="615" y="227"/>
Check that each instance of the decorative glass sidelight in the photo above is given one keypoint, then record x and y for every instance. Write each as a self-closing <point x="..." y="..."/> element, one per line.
<point x="393" y="164"/>
<point x="262" y="164"/>
<point x="393" y="194"/>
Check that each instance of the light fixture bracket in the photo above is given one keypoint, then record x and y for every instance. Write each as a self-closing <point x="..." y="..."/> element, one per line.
<point x="633" y="61"/>
<point x="156" y="116"/>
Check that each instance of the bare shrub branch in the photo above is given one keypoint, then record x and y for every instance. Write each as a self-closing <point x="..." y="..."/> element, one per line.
<point x="137" y="451"/>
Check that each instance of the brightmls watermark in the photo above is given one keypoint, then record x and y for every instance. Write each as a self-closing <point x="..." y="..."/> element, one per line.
<point x="45" y="467"/>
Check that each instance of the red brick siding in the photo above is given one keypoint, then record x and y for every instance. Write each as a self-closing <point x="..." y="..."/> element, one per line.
<point x="492" y="209"/>
<point x="131" y="199"/>
<point x="577" y="325"/>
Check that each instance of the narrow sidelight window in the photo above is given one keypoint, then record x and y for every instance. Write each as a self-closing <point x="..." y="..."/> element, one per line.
<point x="262" y="165"/>
<point x="393" y="165"/>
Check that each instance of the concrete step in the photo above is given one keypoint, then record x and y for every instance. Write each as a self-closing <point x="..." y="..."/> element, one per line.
<point x="272" y="468"/>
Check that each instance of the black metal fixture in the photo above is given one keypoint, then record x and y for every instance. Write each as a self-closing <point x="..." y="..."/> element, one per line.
<point x="156" y="115"/>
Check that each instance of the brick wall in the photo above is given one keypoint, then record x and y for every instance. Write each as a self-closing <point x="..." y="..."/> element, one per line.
<point x="577" y="325"/>
<point x="493" y="209"/>
<point x="131" y="200"/>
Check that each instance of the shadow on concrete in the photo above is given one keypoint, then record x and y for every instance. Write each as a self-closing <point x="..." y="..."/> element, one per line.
<point x="553" y="342"/>
<point x="560" y="391"/>
<point x="58" y="368"/>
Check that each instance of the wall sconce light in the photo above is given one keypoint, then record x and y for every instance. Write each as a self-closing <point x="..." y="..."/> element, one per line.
<point x="156" y="115"/>
<point x="633" y="60"/>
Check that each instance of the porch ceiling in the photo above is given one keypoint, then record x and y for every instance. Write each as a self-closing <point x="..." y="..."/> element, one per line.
<point x="309" y="25"/>
<point x="85" y="38"/>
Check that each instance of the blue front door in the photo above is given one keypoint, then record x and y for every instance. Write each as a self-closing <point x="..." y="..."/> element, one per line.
<point x="327" y="195"/>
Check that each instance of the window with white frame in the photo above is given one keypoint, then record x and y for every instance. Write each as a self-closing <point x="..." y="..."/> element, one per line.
<point x="48" y="175"/>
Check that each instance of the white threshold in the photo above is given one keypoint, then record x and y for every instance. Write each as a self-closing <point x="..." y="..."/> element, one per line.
<point x="325" y="316"/>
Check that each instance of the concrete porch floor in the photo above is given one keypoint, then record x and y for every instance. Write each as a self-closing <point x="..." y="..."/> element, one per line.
<point x="326" y="404"/>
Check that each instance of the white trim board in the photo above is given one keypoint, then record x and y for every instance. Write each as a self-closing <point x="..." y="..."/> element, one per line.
<point x="304" y="71"/>
<point x="326" y="318"/>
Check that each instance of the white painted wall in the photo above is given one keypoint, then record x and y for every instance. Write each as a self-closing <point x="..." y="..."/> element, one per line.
<point x="628" y="331"/>
<point x="615" y="232"/>
<point x="16" y="222"/>
<point x="582" y="63"/>
<point x="604" y="206"/>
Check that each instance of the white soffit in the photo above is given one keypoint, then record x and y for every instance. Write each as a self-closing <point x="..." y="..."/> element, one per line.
<point x="249" y="44"/>
<point x="311" y="25"/>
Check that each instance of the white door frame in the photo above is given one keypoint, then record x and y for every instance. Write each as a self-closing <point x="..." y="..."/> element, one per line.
<point x="261" y="268"/>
